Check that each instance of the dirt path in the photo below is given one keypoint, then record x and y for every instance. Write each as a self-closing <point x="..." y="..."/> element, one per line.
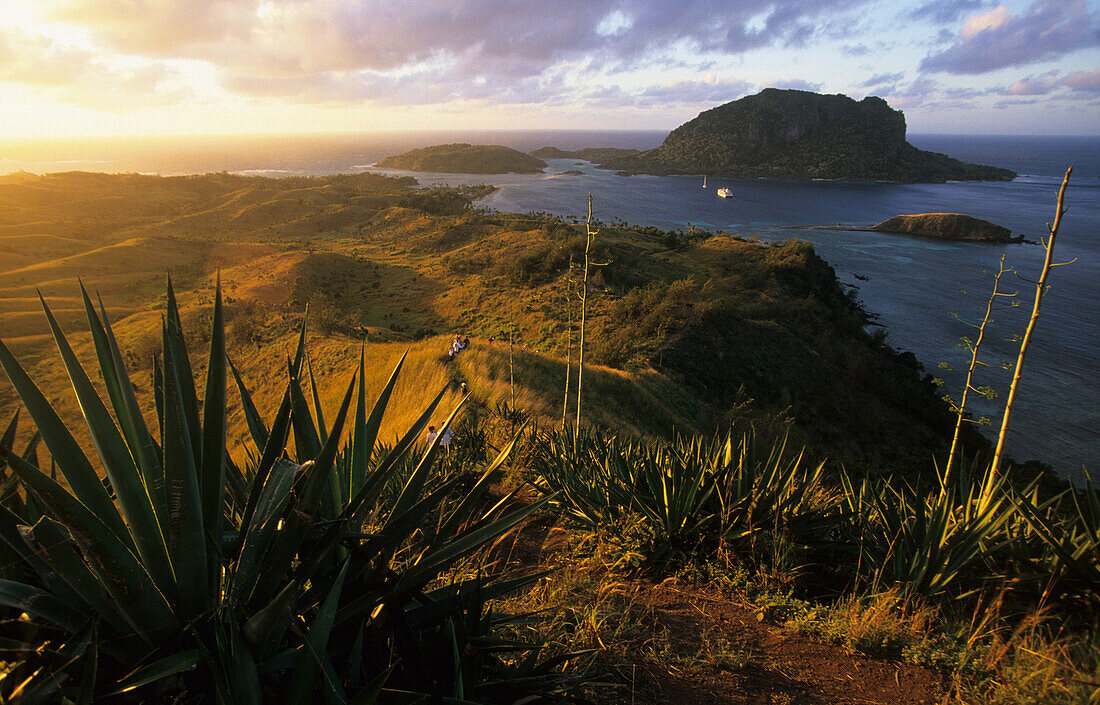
<point x="764" y="664"/>
<point x="698" y="645"/>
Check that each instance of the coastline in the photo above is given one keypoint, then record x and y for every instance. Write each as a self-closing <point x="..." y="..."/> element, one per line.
<point x="911" y="283"/>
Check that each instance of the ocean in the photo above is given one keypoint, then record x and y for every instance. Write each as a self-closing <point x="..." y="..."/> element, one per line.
<point x="921" y="290"/>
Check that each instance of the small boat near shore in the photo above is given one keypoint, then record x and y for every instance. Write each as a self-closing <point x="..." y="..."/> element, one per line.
<point x="724" y="193"/>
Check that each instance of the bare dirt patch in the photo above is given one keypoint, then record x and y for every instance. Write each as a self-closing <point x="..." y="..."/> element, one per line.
<point x="762" y="664"/>
<point x="688" y="644"/>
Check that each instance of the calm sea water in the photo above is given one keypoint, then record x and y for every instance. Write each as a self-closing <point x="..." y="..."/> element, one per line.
<point x="912" y="284"/>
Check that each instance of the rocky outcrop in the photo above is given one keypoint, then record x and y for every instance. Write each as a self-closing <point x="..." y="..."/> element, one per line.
<point x="465" y="158"/>
<point x="799" y="134"/>
<point x="951" y="226"/>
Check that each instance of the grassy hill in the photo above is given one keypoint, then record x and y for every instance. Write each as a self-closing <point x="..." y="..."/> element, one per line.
<point x="686" y="331"/>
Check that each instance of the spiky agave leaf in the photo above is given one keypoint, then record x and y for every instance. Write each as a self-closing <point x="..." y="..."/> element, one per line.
<point x="212" y="471"/>
<point x="131" y="493"/>
<point x="76" y="467"/>
<point x="279" y="561"/>
<point x="120" y="390"/>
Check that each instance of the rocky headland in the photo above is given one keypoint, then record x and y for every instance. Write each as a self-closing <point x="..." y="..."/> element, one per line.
<point x="789" y="134"/>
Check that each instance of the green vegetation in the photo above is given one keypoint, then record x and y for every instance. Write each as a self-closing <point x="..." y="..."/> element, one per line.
<point x="955" y="577"/>
<point x="464" y="158"/>
<point x="183" y="577"/>
<point x="802" y="135"/>
<point x="753" y="466"/>
<point x="588" y="154"/>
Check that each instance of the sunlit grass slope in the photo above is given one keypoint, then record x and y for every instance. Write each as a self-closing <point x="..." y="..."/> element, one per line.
<point x="685" y="330"/>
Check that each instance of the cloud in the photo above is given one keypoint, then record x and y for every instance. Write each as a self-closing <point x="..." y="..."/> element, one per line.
<point x="78" y="75"/>
<point x="1015" y="103"/>
<point x="797" y="84"/>
<point x="1079" y="85"/>
<point x="880" y="79"/>
<point x="924" y="93"/>
<point x="1083" y="81"/>
<point x="707" y="91"/>
<point x="161" y="27"/>
<point x="995" y="19"/>
<point x="390" y="89"/>
<point x="1000" y="38"/>
<point x="1033" y="85"/>
<point x="946" y="11"/>
<point x="369" y="49"/>
<point x="856" y="49"/>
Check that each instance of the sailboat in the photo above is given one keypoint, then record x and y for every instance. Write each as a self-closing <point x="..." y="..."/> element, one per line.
<point x="704" y="180"/>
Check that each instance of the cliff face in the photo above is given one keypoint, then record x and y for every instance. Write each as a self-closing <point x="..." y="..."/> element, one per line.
<point x="799" y="134"/>
<point x="777" y="127"/>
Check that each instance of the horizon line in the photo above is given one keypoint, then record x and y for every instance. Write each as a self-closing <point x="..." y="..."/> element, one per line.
<point x="457" y="130"/>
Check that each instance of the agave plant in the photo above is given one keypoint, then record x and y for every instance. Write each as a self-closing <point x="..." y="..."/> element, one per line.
<point x="778" y="494"/>
<point x="693" y="494"/>
<point x="591" y="475"/>
<point x="940" y="543"/>
<point x="179" y="574"/>
<point x="1071" y="566"/>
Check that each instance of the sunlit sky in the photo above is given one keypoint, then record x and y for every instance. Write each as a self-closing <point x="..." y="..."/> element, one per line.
<point x="161" y="67"/>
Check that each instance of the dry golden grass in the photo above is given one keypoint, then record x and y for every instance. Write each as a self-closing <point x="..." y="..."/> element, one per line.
<point x="278" y="245"/>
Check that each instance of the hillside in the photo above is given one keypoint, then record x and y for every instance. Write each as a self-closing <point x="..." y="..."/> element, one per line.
<point x="803" y="135"/>
<point x="590" y="154"/>
<point x="465" y="159"/>
<point x="687" y="332"/>
<point x="841" y="581"/>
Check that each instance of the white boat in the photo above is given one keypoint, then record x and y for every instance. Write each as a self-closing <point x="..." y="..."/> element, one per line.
<point x="724" y="193"/>
<point x="704" y="180"/>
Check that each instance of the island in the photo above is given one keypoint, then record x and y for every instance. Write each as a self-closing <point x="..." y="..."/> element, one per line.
<point x="791" y="134"/>
<point x="950" y="226"/>
<point x="588" y="154"/>
<point x="465" y="158"/>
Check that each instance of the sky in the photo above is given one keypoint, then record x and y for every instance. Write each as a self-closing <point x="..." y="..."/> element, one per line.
<point x="78" y="68"/>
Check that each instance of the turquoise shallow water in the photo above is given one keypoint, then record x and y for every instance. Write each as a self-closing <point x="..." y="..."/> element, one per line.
<point x="912" y="284"/>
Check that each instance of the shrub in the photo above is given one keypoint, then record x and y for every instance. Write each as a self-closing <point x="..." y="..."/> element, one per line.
<point x="183" y="576"/>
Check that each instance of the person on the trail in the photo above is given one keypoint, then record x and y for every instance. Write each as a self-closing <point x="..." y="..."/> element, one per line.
<point x="432" y="433"/>
<point x="445" y="439"/>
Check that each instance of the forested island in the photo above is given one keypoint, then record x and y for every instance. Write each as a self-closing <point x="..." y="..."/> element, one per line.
<point x="791" y="134"/>
<point x="462" y="158"/>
